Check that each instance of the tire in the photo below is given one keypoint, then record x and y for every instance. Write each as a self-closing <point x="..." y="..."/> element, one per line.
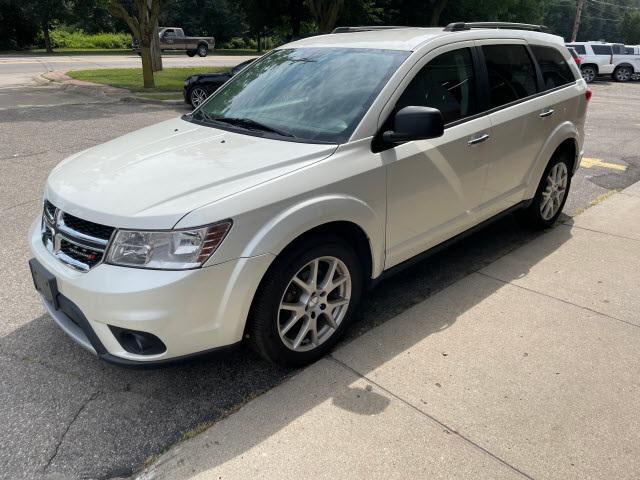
<point x="191" y="53"/>
<point x="622" y="74"/>
<point x="556" y="178"/>
<point x="202" y="50"/>
<point x="589" y="73"/>
<point x="286" y="335"/>
<point x="197" y="96"/>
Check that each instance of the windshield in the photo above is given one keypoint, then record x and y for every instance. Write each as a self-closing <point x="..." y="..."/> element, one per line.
<point x="304" y="94"/>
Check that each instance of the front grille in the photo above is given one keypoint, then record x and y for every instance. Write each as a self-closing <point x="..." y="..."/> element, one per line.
<point x="77" y="242"/>
<point x="87" y="228"/>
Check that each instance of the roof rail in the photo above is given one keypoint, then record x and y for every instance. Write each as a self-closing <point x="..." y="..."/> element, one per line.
<point x="459" y="26"/>
<point x="364" y="28"/>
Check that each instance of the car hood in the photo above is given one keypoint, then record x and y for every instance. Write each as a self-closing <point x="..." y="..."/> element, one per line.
<point x="151" y="178"/>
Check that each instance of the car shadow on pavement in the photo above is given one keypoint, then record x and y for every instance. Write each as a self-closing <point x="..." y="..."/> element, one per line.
<point x="120" y="418"/>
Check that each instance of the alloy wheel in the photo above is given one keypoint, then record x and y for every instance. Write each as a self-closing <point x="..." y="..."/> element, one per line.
<point x="589" y="74"/>
<point x="623" y="74"/>
<point x="314" y="304"/>
<point x="554" y="192"/>
<point x="198" y="95"/>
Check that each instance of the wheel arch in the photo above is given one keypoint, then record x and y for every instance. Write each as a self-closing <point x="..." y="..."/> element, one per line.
<point x="564" y="140"/>
<point x="625" y="64"/>
<point x="594" y="65"/>
<point x="342" y="215"/>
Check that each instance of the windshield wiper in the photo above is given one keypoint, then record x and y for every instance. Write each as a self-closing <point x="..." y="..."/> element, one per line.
<point x="252" y="125"/>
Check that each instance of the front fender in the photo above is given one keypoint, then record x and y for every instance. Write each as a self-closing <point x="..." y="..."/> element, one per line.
<point x="562" y="132"/>
<point x="274" y="235"/>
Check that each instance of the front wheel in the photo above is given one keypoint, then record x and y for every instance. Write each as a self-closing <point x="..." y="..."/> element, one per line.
<point x="550" y="197"/>
<point x="622" y="74"/>
<point x="202" y="50"/>
<point x="305" y="301"/>
<point x="588" y="73"/>
<point x="197" y="96"/>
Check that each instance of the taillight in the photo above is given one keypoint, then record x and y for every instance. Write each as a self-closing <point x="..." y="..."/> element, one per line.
<point x="578" y="60"/>
<point x="588" y="94"/>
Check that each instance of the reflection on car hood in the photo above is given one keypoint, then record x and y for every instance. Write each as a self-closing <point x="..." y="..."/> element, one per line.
<point x="153" y="177"/>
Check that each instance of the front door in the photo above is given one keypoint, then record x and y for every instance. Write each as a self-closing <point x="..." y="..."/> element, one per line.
<point x="434" y="185"/>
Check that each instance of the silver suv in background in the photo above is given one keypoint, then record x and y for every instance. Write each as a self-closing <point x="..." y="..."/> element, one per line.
<point x="324" y="166"/>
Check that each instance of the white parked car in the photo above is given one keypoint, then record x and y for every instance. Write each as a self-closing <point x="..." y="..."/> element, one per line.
<point x="601" y="58"/>
<point x="324" y="166"/>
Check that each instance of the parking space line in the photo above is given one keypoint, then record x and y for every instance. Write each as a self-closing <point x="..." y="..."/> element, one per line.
<point x="596" y="162"/>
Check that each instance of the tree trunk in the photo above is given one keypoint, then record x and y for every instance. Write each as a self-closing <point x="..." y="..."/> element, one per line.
<point x="437" y="10"/>
<point x="47" y="37"/>
<point x="147" y="70"/>
<point x="156" y="54"/>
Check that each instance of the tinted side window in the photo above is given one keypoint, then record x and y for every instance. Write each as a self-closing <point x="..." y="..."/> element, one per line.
<point x="602" y="49"/>
<point x="618" y="49"/>
<point x="580" y="50"/>
<point x="512" y="75"/>
<point x="447" y="83"/>
<point x="555" y="71"/>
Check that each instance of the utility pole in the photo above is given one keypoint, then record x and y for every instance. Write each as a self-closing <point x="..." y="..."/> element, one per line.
<point x="576" y="23"/>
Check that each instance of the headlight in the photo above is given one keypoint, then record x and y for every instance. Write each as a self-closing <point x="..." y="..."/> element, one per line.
<point x="168" y="249"/>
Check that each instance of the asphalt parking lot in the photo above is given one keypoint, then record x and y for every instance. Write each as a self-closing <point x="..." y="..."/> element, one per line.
<point x="66" y="414"/>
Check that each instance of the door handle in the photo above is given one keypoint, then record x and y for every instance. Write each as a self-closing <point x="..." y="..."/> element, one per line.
<point x="547" y="113"/>
<point x="480" y="139"/>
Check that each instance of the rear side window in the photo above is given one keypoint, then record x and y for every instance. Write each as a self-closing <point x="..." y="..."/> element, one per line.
<point x="512" y="75"/>
<point x="554" y="68"/>
<point x="448" y="83"/>
<point x="602" y="49"/>
<point x="580" y="50"/>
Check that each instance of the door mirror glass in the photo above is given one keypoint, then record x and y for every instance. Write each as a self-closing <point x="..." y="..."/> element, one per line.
<point x="415" y="123"/>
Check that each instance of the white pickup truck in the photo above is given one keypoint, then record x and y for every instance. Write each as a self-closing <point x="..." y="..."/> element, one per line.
<point x="601" y="58"/>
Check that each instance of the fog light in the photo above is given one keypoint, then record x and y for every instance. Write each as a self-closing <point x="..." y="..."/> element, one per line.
<point x="139" y="343"/>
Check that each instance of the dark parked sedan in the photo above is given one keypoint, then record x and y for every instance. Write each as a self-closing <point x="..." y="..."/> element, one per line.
<point x="198" y="87"/>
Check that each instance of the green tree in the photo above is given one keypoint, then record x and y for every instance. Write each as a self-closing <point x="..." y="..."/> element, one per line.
<point x="630" y="28"/>
<point x="142" y="19"/>
<point x="45" y="14"/>
<point x="326" y="13"/>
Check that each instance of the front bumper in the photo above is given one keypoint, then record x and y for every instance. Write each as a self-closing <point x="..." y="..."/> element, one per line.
<point x="190" y="311"/>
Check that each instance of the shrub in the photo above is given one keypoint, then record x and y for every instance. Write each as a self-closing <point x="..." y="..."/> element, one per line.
<point x="64" y="38"/>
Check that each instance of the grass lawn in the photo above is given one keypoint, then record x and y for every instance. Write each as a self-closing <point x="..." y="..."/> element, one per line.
<point x="168" y="80"/>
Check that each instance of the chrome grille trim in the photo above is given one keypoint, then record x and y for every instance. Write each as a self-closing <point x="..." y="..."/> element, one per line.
<point x="76" y="249"/>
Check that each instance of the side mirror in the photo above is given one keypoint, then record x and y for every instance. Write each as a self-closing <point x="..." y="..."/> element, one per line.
<point x="415" y="123"/>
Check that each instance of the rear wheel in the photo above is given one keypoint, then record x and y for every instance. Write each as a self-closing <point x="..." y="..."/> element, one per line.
<point x="306" y="301"/>
<point x="202" y="50"/>
<point x="191" y="53"/>
<point x="551" y="195"/>
<point x="622" y="74"/>
<point x="588" y="73"/>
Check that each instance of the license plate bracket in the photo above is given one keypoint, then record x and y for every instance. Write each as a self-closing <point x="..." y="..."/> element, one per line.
<point x="45" y="283"/>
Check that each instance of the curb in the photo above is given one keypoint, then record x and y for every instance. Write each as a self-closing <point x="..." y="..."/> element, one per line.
<point x="62" y="80"/>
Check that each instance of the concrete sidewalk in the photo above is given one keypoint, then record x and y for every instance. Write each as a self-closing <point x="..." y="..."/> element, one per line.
<point x="529" y="368"/>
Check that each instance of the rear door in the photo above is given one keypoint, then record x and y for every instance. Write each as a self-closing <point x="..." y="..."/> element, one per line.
<point x="520" y="120"/>
<point x="180" y="39"/>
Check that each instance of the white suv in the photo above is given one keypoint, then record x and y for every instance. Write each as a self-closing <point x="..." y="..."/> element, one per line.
<point x="328" y="163"/>
<point x="601" y="58"/>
